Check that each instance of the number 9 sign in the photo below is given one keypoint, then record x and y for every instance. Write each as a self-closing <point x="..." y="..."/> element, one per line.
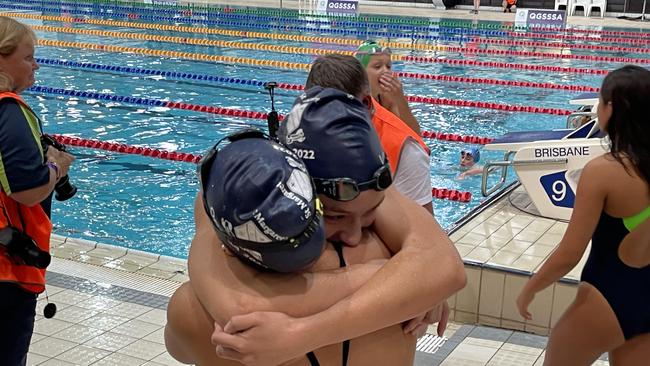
<point x="558" y="189"/>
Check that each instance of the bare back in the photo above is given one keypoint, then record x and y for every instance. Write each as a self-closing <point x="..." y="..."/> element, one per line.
<point x="627" y="194"/>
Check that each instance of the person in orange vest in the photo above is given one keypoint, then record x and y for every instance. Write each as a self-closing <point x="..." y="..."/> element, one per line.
<point x="385" y="87"/>
<point x="27" y="178"/>
<point x="509" y="5"/>
<point x="407" y="153"/>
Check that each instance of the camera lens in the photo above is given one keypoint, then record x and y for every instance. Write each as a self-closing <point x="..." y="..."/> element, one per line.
<point x="64" y="189"/>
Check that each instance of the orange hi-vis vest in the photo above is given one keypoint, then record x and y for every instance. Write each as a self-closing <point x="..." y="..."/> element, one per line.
<point x="37" y="224"/>
<point x="393" y="133"/>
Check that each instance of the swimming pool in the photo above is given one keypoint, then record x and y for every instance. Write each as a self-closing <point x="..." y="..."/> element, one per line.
<point x="146" y="203"/>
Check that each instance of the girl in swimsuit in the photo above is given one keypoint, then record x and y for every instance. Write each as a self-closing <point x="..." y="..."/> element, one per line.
<point x="611" y="311"/>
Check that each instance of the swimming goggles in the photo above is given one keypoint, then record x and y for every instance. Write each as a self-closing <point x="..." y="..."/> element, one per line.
<point x="346" y="189"/>
<point x="205" y="164"/>
<point x="372" y="49"/>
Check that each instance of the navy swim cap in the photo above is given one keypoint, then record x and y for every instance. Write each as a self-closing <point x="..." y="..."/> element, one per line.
<point x="331" y="131"/>
<point x="262" y="204"/>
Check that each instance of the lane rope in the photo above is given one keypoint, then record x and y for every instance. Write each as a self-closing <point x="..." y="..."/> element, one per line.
<point x="320" y="51"/>
<point x="288" y="86"/>
<point x="440" y="193"/>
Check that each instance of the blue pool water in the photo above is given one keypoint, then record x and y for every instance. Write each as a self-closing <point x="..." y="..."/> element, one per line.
<point x="147" y="203"/>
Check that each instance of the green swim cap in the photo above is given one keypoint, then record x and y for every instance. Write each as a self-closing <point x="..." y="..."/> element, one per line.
<point x="367" y="49"/>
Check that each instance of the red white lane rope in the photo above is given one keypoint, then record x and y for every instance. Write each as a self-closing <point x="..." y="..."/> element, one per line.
<point x="440" y="193"/>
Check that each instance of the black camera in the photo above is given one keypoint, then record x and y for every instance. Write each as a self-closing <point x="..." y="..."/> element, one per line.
<point x="64" y="189"/>
<point x="272" y="118"/>
<point x="21" y="249"/>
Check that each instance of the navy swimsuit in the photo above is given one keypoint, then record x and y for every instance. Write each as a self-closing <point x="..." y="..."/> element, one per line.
<point x="346" y="344"/>
<point x="626" y="289"/>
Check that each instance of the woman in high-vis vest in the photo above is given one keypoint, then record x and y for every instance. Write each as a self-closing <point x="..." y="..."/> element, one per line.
<point x="27" y="178"/>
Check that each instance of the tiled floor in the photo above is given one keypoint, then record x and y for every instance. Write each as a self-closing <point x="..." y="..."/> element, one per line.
<point x="93" y="327"/>
<point x="102" y="324"/>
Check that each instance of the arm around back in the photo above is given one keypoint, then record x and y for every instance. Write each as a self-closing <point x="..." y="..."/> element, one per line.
<point x="424" y="271"/>
<point x="228" y="287"/>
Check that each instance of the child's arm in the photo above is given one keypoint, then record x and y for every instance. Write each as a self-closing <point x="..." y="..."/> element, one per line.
<point x="588" y="206"/>
<point x="473" y="171"/>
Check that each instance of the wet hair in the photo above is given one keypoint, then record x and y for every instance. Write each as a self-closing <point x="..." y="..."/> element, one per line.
<point x="340" y="72"/>
<point x="12" y="33"/>
<point x="628" y="91"/>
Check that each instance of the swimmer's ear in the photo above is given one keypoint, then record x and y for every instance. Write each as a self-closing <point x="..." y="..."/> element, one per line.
<point x="634" y="250"/>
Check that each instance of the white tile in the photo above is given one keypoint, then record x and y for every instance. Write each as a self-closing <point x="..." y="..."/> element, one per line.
<point x="51" y="290"/>
<point x="50" y="326"/>
<point x="51" y="347"/>
<point x="491" y="293"/>
<point x="99" y="303"/>
<point x="110" y="341"/>
<point x="513" y="286"/>
<point x="88" y="259"/>
<point x="155" y="272"/>
<point x="128" y="310"/>
<point x="166" y="359"/>
<point x="157" y="336"/>
<point x="563" y="296"/>
<point x="550" y="239"/>
<point x="143" y="349"/>
<point x="155" y="316"/>
<point x="107" y="252"/>
<point x="37" y="337"/>
<point x="527" y="262"/>
<point x="180" y="278"/>
<point x="519" y="222"/>
<point x="529" y="236"/>
<point x="464" y="249"/>
<point x="83" y="355"/>
<point x="512" y="358"/>
<point x="467" y="298"/>
<point x="522" y="349"/>
<point x="540" y="308"/>
<point x="486" y="228"/>
<point x="170" y="265"/>
<point x="471" y="352"/>
<point x="540" y="225"/>
<point x="504" y="258"/>
<point x="118" y="359"/>
<point x="472" y="239"/>
<point x="56" y="362"/>
<point x="449" y="361"/>
<point x="75" y="314"/>
<point x="539" y="250"/>
<point x="482" y="342"/>
<point x="135" y="328"/>
<point x="494" y="242"/>
<point x="41" y="303"/>
<point x="481" y="254"/>
<point x="69" y="297"/>
<point x="517" y="246"/>
<point x="78" y="333"/>
<point x="505" y="233"/>
<point x="33" y="359"/>
<point x="104" y="321"/>
<point x="558" y="228"/>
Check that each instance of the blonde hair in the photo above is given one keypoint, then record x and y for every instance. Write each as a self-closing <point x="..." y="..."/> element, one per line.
<point x="12" y="33"/>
